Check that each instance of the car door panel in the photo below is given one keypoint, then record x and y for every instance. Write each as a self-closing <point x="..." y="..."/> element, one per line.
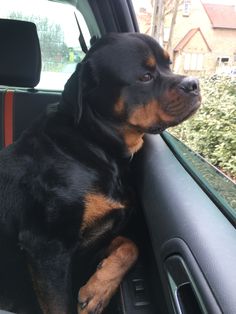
<point x="183" y="221"/>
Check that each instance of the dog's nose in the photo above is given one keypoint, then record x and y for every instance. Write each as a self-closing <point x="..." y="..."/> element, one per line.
<point x="190" y="85"/>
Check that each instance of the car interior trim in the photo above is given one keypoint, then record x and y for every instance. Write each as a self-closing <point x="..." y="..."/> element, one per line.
<point x="176" y="207"/>
<point x="220" y="202"/>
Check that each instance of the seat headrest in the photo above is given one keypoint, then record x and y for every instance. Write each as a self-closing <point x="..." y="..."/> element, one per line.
<point x="20" y="56"/>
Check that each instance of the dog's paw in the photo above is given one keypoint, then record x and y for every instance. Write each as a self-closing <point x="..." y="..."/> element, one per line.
<point x="95" y="295"/>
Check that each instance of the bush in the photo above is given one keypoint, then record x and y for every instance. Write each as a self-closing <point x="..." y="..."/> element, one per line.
<point x="212" y="131"/>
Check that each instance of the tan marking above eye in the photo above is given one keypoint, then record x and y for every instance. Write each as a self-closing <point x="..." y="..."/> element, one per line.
<point x="97" y="206"/>
<point x="151" y="61"/>
<point x="119" y="107"/>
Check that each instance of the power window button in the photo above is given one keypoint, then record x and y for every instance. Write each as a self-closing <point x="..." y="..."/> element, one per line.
<point x="140" y="293"/>
<point x="138" y="285"/>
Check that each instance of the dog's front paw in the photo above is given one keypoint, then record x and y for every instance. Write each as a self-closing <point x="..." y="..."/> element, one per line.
<point x="95" y="295"/>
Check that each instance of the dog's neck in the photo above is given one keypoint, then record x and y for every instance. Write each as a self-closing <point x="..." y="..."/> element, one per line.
<point x="121" y="141"/>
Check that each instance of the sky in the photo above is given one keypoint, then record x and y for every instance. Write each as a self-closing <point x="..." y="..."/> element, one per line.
<point x="147" y="3"/>
<point x="64" y="15"/>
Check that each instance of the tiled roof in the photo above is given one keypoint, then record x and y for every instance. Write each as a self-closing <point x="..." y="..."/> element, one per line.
<point x="185" y="40"/>
<point x="220" y="15"/>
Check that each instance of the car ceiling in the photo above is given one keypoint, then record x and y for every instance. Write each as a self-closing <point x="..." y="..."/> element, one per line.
<point x="72" y="2"/>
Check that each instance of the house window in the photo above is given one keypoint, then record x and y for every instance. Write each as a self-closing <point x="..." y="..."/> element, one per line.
<point x="166" y="34"/>
<point x="223" y="61"/>
<point x="193" y="62"/>
<point x="186" y="7"/>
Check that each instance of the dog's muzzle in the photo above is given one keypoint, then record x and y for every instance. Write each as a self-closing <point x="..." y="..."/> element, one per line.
<point x="190" y="85"/>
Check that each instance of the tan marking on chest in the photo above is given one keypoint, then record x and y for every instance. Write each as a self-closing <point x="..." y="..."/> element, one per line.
<point x="97" y="206"/>
<point x="133" y="140"/>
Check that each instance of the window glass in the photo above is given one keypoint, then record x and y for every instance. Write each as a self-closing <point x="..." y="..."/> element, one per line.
<point x="186" y="7"/>
<point x="58" y="35"/>
<point x="219" y="187"/>
<point x="200" y="37"/>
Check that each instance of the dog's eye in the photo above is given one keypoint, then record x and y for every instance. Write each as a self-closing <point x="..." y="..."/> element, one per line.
<point x="146" y="77"/>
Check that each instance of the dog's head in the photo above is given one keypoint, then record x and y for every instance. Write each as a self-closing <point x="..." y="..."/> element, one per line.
<point x="126" y="79"/>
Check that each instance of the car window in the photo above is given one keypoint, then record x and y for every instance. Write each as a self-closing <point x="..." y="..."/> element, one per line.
<point x="200" y="37"/>
<point x="58" y="35"/>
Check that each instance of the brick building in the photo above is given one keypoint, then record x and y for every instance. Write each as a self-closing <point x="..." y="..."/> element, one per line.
<point x="204" y="38"/>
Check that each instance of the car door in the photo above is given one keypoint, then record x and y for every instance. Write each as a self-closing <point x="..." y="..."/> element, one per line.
<point x="192" y="239"/>
<point x="190" y="236"/>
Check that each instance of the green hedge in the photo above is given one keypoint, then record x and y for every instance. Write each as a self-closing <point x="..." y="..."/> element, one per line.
<point x="212" y="131"/>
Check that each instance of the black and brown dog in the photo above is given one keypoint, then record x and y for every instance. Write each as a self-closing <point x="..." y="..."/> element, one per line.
<point x="64" y="188"/>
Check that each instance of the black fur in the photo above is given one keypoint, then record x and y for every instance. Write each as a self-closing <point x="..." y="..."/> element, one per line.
<point x="74" y="148"/>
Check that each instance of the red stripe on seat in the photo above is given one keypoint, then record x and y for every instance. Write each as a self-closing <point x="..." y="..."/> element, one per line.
<point x="8" y="118"/>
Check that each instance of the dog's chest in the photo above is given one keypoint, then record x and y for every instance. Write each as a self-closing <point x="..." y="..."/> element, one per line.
<point x="98" y="206"/>
<point x="103" y="216"/>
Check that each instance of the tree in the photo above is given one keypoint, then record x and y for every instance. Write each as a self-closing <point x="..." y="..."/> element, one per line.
<point x="51" y="37"/>
<point x="163" y="9"/>
<point x="173" y="21"/>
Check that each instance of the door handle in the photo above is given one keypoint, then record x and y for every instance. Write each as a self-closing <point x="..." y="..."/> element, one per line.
<point x="185" y="296"/>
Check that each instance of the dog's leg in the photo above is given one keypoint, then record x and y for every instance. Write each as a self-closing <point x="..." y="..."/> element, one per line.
<point x="51" y="283"/>
<point x="49" y="264"/>
<point x="96" y="294"/>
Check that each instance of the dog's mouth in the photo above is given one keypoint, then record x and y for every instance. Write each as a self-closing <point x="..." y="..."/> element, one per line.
<point x="157" y="129"/>
<point x="191" y="110"/>
<point x="163" y="125"/>
<point x="155" y="117"/>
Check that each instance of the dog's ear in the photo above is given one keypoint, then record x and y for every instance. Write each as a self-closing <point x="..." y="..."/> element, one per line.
<point x="81" y="82"/>
<point x="87" y="82"/>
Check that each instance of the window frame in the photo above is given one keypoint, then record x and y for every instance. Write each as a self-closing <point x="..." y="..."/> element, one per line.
<point x="193" y="61"/>
<point x="186" y="8"/>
